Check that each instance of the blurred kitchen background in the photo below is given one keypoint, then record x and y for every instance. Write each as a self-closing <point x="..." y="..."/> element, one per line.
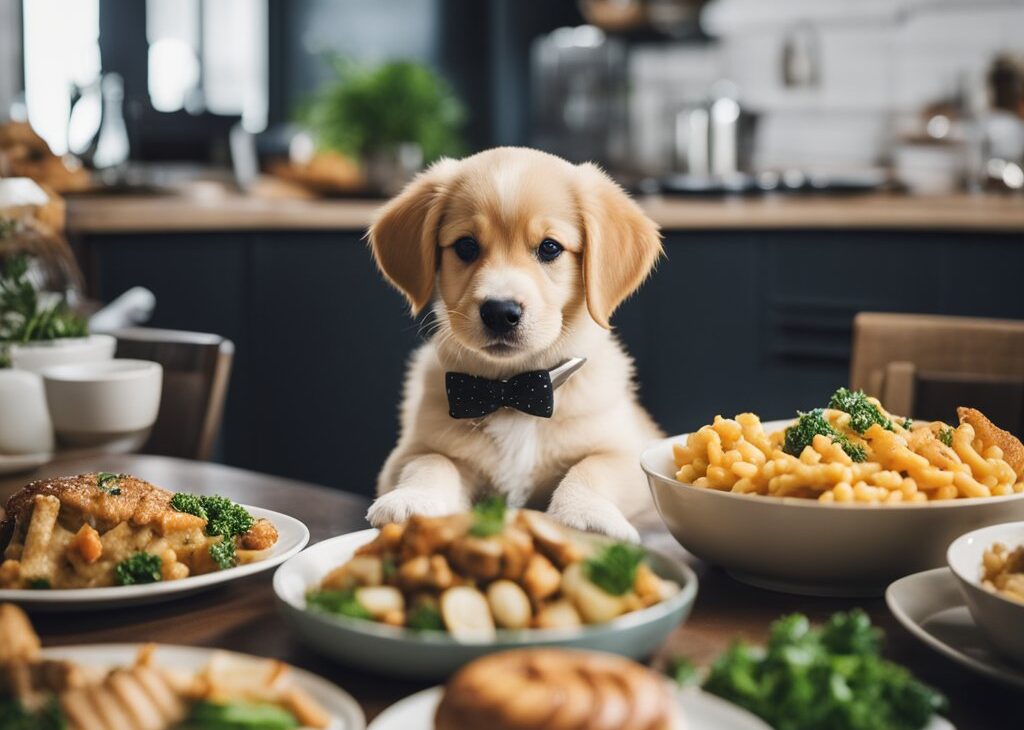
<point x="807" y="160"/>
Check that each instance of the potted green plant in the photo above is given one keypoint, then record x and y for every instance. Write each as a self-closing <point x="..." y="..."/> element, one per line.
<point x="394" y="118"/>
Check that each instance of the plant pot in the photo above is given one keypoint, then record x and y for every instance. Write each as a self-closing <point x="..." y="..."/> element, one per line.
<point x="387" y="171"/>
<point x="37" y="355"/>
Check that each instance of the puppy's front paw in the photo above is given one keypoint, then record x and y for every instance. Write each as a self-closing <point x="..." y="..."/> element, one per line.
<point x="400" y="504"/>
<point x="593" y="514"/>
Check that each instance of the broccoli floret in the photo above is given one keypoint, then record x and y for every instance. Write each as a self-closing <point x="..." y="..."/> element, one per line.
<point x="238" y="716"/>
<point x="946" y="436"/>
<point x="223" y="553"/>
<point x="343" y="603"/>
<point x="223" y="517"/>
<point x="863" y="413"/>
<point x="801" y="434"/>
<point x="189" y="503"/>
<point x="13" y="716"/>
<point x="139" y="568"/>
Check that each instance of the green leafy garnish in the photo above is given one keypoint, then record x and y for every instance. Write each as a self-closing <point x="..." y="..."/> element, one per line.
<point x="613" y="569"/>
<point x="223" y="553"/>
<point x="830" y="677"/>
<point x="139" y="568"/>
<point x="946" y="436"/>
<point x="908" y="423"/>
<point x="808" y="425"/>
<point x="488" y="516"/>
<point x="238" y="716"/>
<point x="189" y="503"/>
<point x="13" y="716"/>
<point x="39" y="584"/>
<point x="340" y="602"/>
<point x="23" y="318"/>
<point x="424" y="617"/>
<point x="682" y="670"/>
<point x="108" y="482"/>
<point x="863" y="413"/>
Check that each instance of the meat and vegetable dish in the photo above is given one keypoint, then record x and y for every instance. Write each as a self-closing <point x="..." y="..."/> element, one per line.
<point x="104" y="529"/>
<point x="472" y="573"/>
<point x="231" y="691"/>
<point x="1002" y="571"/>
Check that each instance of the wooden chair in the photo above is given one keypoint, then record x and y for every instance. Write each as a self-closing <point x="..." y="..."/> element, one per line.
<point x="197" y="368"/>
<point x="926" y="365"/>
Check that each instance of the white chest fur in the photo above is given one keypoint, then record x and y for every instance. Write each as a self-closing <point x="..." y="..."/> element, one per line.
<point x="515" y="437"/>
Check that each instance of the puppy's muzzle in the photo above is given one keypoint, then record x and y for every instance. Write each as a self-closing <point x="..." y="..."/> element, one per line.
<point x="501" y="316"/>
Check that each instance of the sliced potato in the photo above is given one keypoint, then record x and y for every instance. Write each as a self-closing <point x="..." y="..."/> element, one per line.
<point x="466" y="614"/>
<point x="380" y="600"/>
<point x="541" y="579"/>
<point x="593" y="603"/>
<point x="510" y="605"/>
<point x="551" y="538"/>
<point x="557" y="615"/>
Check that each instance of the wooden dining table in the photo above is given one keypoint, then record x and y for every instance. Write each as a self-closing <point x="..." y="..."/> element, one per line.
<point x="242" y="615"/>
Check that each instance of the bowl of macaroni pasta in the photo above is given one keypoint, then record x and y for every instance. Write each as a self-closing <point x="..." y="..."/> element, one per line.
<point x="840" y="500"/>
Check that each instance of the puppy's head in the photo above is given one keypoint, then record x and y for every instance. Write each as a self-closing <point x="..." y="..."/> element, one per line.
<point x="518" y="244"/>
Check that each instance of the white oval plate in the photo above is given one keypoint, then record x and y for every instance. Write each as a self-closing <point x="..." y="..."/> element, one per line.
<point x="701" y="711"/>
<point x="292" y="536"/>
<point x="932" y="608"/>
<point x="434" y="655"/>
<point x="345" y="710"/>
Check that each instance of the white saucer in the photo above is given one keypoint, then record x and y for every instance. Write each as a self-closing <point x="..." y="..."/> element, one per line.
<point x="17" y="463"/>
<point x="344" y="710"/>
<point x="931" y="607"/>
<point x="701" y="711"/>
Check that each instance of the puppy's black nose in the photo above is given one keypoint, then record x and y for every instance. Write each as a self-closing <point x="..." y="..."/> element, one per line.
<point x="501" y="315"/>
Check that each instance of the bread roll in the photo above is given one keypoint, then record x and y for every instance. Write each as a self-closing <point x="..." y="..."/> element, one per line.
<point x="551" y="689"/>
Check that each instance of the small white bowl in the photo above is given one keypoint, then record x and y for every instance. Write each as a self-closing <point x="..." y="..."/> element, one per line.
<point x="1000" y="619"/>
<point x="37" y="356"/>
<point x="102" y="403"/>
<point x="803" y="546"/>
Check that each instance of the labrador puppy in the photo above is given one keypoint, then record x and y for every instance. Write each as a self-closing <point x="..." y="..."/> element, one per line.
<point x="524" y="257"/>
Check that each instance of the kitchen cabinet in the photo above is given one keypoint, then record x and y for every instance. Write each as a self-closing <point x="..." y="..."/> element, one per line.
<point x="730" y="321"/>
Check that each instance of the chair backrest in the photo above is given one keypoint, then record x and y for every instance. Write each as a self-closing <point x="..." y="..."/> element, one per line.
<point x="926" y="365"/>
<point x="197" y="368"/>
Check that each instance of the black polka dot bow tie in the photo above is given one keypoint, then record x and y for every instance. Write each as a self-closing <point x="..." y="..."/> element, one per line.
<point x="470" y="396"/>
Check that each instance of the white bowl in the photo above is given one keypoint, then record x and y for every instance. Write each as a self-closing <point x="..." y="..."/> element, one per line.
<point x="36" y="356"/>
<point x="1000" y="619"/>
<point x="25" y="426"/>
<point x="803" y="546"/>
<point x="103" y="402"/>
<point x="435" y="655"/>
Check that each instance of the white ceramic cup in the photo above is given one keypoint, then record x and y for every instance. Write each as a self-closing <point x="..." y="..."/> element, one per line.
<point x="100" y="402"/>
<point x="25" y="426"/>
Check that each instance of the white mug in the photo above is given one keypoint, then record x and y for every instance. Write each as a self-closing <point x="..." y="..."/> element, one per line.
<point x="25" y="426"/>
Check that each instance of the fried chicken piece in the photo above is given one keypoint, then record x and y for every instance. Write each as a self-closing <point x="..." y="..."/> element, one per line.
<point x="992" y="435"/>
<point x="261" y="536"/>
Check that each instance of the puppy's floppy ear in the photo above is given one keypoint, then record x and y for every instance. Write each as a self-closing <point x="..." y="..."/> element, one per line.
<point x="403" y="236"/>
<point x="621" y="244"/>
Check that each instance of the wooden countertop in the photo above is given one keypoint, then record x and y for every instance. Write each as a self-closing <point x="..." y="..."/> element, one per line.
<point x="228" y="212"/>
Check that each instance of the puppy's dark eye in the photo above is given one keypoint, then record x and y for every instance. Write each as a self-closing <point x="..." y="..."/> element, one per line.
<point x="467" y="249"/>
<point x="549" y="250"/>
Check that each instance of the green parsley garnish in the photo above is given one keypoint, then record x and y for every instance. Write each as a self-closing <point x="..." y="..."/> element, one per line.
<point x="139" y="568"/>
<point x="340" y="602"/>
<point x="39" y="584"/>
<point x="613" y="569"/>
<point x="488" y="516"/>
<point x="424" y="617"/>
<point x="109" y="483"/>
<point x="946" y="436"/>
